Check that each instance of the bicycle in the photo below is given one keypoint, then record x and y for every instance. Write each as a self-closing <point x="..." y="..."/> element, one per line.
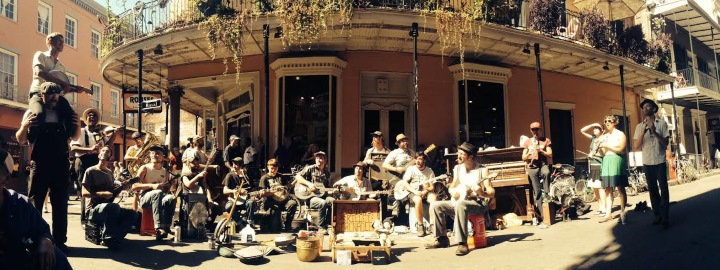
<point x="583" y="191"/>
<point x="637" y="182"/>
<point x="686" y="172"/>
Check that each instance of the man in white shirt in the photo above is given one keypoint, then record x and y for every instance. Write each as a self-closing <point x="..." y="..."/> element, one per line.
<point x="651" y="137"/>
<point x="250" y="154"/>
<point x="419" y="172"/>
<point x="356" y="183"/>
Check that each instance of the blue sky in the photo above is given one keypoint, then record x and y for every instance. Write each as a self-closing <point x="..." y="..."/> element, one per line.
<point x="117" y="5"/>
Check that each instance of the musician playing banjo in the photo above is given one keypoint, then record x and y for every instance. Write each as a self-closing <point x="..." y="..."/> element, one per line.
<point x="314" y="176"/>
<point x="417" y="173"/>
<point x="273" y="181"/>
<point x="152" y="178"/>
<point x="468" y="175"/>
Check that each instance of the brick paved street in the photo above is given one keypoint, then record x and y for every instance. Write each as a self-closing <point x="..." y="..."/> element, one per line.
<point x="691" y="242"/>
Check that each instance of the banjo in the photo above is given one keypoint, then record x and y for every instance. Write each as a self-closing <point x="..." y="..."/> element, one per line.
<point x="73" y="88"/>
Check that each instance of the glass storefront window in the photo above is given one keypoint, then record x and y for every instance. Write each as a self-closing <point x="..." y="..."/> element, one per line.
<point x="481" y="110"/>
<point x="308" y="111"/>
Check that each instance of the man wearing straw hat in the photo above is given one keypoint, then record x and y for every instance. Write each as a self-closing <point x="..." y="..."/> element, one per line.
<point x="88" y="144"/>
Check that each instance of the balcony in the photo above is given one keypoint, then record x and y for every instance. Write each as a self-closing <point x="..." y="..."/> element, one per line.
<point x="693" y="88"/>
<point x="11" y="96"/>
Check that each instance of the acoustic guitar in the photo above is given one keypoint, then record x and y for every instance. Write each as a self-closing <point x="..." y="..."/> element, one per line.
<point x="462" y="192"/>
<point x="401" y="193"/>
<point x="356" y="193"/>
<point x="393" y="177"/>
<point x="303" y="193"/>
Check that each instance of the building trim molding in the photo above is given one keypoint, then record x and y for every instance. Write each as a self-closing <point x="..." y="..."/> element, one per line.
<point x="297" y="66"/>
<point x="479" y="72"/>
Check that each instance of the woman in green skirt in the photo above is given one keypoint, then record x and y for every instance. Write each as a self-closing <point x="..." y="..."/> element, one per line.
<point x="614" y="168"/>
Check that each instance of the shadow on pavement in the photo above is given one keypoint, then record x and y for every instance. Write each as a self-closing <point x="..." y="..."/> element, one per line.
<point x="691" y="241"/>
<point x="497" y="239"/>
<point x="140" y="254"/>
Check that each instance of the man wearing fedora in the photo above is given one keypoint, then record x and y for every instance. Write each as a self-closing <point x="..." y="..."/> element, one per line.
<point x="314" y="176"/>
<point x="88" y="144"/>
<point x="395" y="164"/>
<point x="651" y="137"/>
<point x="49" y="158"/>
<point x="474" y="176"/>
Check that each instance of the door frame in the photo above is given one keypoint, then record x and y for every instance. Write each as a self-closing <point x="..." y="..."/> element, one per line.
<point x="566" y="106"/>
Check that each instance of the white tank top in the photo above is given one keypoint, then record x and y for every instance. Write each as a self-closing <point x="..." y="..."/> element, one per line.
<point x="154" y="176"/>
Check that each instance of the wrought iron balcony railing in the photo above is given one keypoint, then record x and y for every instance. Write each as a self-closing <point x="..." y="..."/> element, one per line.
<point x="686" y="78"/>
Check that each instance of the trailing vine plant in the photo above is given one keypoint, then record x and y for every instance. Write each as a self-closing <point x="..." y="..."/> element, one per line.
<point x="303" y="21"/>
<point x="224" y="27"/>
<point x="456" y="23"/>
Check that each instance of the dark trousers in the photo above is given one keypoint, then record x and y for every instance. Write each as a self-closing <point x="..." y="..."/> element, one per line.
<point x="656" y="176"/>
<point x="117" y="221"/>
<point x="535" y="175"/>
<point x="51" y="176"/>
<point x="289" y="205"/>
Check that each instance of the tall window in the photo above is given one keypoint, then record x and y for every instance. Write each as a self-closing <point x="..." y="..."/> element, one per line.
<point x="482" y="113"/>
<point x="7" y="9"/>
<point x="70" y="30"/>
<point x="72" y="96"/>
<point x="114" y="102"/>
<point x="96" y="96"/>
<point x="8" y="72"/>
<point x="309" y="111"/>
<point x="44" y="18"/>
<point x="95" y="44"/>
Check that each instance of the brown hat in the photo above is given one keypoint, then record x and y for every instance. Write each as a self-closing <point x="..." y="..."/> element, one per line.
<point x="50" y="88"/>
<point x="400" y="137"/>
<point x="319" y="153"/>
<point x="359" y="164"/>
<point x="88" y="111"/>
<point x="137" y="135"/>
<point x="237" y="160"/>
<point x="376" y="134"/>
<point x="468" y="148"/>
<point x="272" y="162"/>
<point x="535" y="125"/>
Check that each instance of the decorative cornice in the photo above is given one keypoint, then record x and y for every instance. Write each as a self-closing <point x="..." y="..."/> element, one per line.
<point x="94" y="8"/>
<point x="318" y="65"/>
<point x="480" y="72"/>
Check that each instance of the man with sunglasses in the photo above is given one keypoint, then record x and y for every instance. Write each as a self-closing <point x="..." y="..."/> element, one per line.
<point x="49" y="158"/>
<point x="536" y="153"/>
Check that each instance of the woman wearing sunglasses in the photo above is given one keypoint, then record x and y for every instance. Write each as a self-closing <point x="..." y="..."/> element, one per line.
<point x="614" y="168"/>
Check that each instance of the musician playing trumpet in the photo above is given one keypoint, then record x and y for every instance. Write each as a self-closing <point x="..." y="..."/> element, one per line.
<point x="468" y="176"/>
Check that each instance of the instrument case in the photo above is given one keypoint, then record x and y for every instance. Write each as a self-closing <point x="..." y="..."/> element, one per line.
<point x="352" y="230"/>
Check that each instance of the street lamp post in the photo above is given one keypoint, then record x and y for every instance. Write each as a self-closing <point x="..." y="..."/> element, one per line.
<point x="140" y="55"/>
<point x="414" y="34"/>
<point x="540" y="87"/>
<point x="625" y="121"/>
<point x="266" y="36"/>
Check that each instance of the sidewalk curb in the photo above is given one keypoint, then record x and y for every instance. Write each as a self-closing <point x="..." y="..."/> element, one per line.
<point x="675" y="182"/>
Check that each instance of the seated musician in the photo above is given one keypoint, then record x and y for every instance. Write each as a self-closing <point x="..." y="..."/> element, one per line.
<point x="315" y="176"/>
<point x="198" y="151"/>
<point x="153" y="180"/>
<point x="356" y="183"/>
<point x="193" y="182"/>
<point x="395" y="165"/>
<point x="134" y="150"/>
<point x="99" y="185"/>
<point x="236" y="183"/>
<point x="274" y="182"/>
<point x="419" y="172"/>
<point x="468" y="175"/>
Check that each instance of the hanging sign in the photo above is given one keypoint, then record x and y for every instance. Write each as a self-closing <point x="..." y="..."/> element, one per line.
<point x="131" y="101"/>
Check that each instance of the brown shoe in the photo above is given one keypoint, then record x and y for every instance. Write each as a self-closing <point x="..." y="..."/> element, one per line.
<point x="421" y="231"/>
<point x="462" y="249"/>
<point x="440" y="242"/>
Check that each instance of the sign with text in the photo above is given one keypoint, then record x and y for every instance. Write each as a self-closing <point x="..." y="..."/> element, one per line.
<point x="131" y="101"/>
<point x="151" y="104"/>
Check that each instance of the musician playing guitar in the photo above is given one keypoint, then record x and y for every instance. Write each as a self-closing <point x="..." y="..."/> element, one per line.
<point x="471" y="176"/>
<point x="194" y="182"/>
<point x="272" y="180"/>
<point x="98" y="185"/>
<point x="395" y="164"/>
<point x="316" y="176"/>
<point x="237" y="183"/>
<point x="536" y="153"/>
<point x="356" y="183"/>
<point x="153" y="177"/>
<point x="417" y="173"/>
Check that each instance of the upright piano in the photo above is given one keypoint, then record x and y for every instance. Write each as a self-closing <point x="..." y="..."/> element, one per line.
<point x="512" y="187"/>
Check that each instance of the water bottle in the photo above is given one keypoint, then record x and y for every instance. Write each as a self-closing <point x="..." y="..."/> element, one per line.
<point x="178" y="233"/>
<point x="535" y="221"/>
<point x="247" y="234"/>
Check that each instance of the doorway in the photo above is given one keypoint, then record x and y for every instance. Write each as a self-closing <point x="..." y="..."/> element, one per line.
<point x="561" y="136"/>
<point x="391" y="121"/>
